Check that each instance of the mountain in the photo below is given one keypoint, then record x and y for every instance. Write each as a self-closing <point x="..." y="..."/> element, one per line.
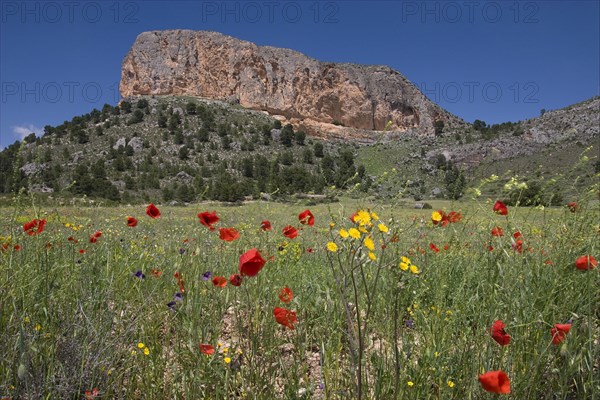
<point x="314" y="96"/>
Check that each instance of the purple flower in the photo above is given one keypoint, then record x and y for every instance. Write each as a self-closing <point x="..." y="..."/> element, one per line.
<point x="181" y="250"/>
<point x="178" y="296"/>
<point x="206" y="276"/>
<point x="410" y="324"/>
<point x="172" y="305"/>
<point x="139" y="274"/>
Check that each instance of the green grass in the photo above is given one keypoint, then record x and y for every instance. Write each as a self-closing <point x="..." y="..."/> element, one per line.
<point x="72" y="322"/>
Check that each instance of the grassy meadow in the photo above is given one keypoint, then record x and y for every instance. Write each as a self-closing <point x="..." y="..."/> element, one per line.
<point x="389" y="305"/>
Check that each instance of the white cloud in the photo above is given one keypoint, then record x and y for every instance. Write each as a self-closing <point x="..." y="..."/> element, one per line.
<point x="24" y="130"/>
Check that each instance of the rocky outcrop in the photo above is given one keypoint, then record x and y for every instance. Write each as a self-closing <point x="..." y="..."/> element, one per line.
<point x="282" y="82"/>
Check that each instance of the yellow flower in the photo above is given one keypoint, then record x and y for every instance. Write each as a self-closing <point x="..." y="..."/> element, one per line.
<point x="225" y="350"/>
<point x="450" y="383"/>
<point x="372" y="256"/>
<point x="403" y="266"/>
<point x="332" y="247"/>
<point x="362" y="218"/>
<point x="369" y="243"/>
<point x="436" y="216"/>
<point x="405" y="260"/>
<point x="374" y="215"/>
<point x="354" y="233"/>
<point x="38" y="327"/>
<point x="344" y="233"/>
<point x="146" y="351"/>
<point x="141" y="345"/>
<point x="227" y="360"/>
<point x="383" y="228"/>
<point x="410" y="383"/>
<point x="414" y="269"/>
<point x="133" y="352"/>
<point x="26" y="320"/>
<point x="331" y="225"/>
<point x="436" y="354"/>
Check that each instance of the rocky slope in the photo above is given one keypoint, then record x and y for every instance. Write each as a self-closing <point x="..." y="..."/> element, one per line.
<point x="310" y="94"/>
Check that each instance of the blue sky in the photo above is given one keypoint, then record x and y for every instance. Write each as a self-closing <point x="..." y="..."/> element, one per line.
<point x="491" y="60"/>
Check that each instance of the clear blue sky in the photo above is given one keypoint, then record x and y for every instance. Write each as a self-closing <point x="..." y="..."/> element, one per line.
<point x="491" y="60"/>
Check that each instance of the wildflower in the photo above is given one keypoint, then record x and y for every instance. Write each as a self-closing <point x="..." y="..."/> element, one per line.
<point x="181" y="251"/>
<point x="251" y="262"/>
<point x="331" y="246"/>
<point x="499" y="334"/>
<point x="207" y="349"/>
<point x="369" y="244"/>
<point x="286" y="295"/>
<point x="372" y="256"/>
<point x="500" y="208"/>
<point x="306" y="218"/>
<point x="344" y="233"/>
<point x="374" y="216"/>
<point x="573" y="207"/>
<point x="131" y="222"/>
<point x="266" y="225"/>
<point x="228" y="234"/>
<point x="227" y="360"/>
<point x="362" y="218"/>
<point x="285" y="317"/>
<point x="93" y="239"/>
<point x="146" y="351"/>
<point x="495" y="382"/>
<point x="497" y="231"/>
<point x="436" y="216"/>
<point x="450" y="383"/>
<point x="410" y="383"/>
<point x="235" y="280"/>
<point x="434" y="248"/>
<point x="354" y="233"/>
<point x="178" y="296"/>
<point x="518" y="246"/>
<point x="382" y="228"/>
<point x="37" y="327"/>
<point x="152" y="211"/>
<point x="206" y="276"/>
<point x="208" y="219"/>
<point x="454" y="217"/>
<point x="141" y="345"/>
<point x="34" y="227"/>
<point x="139" y="274"/>
<point x="290" y="232"/>
<point x="172" y="305"/>
<point x="414" y="269"/>
<point x="559" y="332"/>
<point x="180" y="282"/>
<point x="81" y="251"/>
<point x="586" y="263"/>
<point x="219" y="281"/>
<point x="156" y="272"/>
<point x="92" y="394"/>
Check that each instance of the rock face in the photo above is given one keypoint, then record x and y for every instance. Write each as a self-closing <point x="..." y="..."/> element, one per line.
<point x="282" y="82"/>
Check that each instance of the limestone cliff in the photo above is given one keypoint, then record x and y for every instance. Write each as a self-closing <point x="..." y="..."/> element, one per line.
<point x="309" y="93"/>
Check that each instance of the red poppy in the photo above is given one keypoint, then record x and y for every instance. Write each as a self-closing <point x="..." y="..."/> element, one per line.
<point x="517" y="235"/>
<point x="499" y="334"/>
<point x="208" y="219"/>
<point x="518" y="246"/>
<point x="72" y="239"/>
<point x="500" y="208"/>
<point x="490" y="248"/>
<point x="97" y="234"/>
<point x="152" y="211"/>
<point x="353" y="216"/>
<point x="34" y="227"/>
<point x="559" y="332"/>
<point x="290" y="232"/>
<point x="131" y="222"/>
<point x="454" y="216"/>
<point x="235" y="280"/>
<point x="286" y="295"/>
<point x="228" y="234"/>
<point x="306" y="218"/>
<point x="81" y="251"/>
<point x="285" y="317"/>
<point x="219" y="281"/>
<point x="495" y="382"/>
<point x="17" y="247"/>
<point x="266" y="225"/>
<point x="586" y="262"/>
<point x="92" y="394"/>
<point x="156" y="272"/>
<point x="497" y="231"/>
<point x="573" y="206"/>
<point x="444" y="221"/>
<point x="207" y="349"/>
<point x="251" y="262"/>
<point x="434" y="248"/>
<point x="446" y="247"/>
<point x="180" y="281"/>
<point x="93" y="239"/>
